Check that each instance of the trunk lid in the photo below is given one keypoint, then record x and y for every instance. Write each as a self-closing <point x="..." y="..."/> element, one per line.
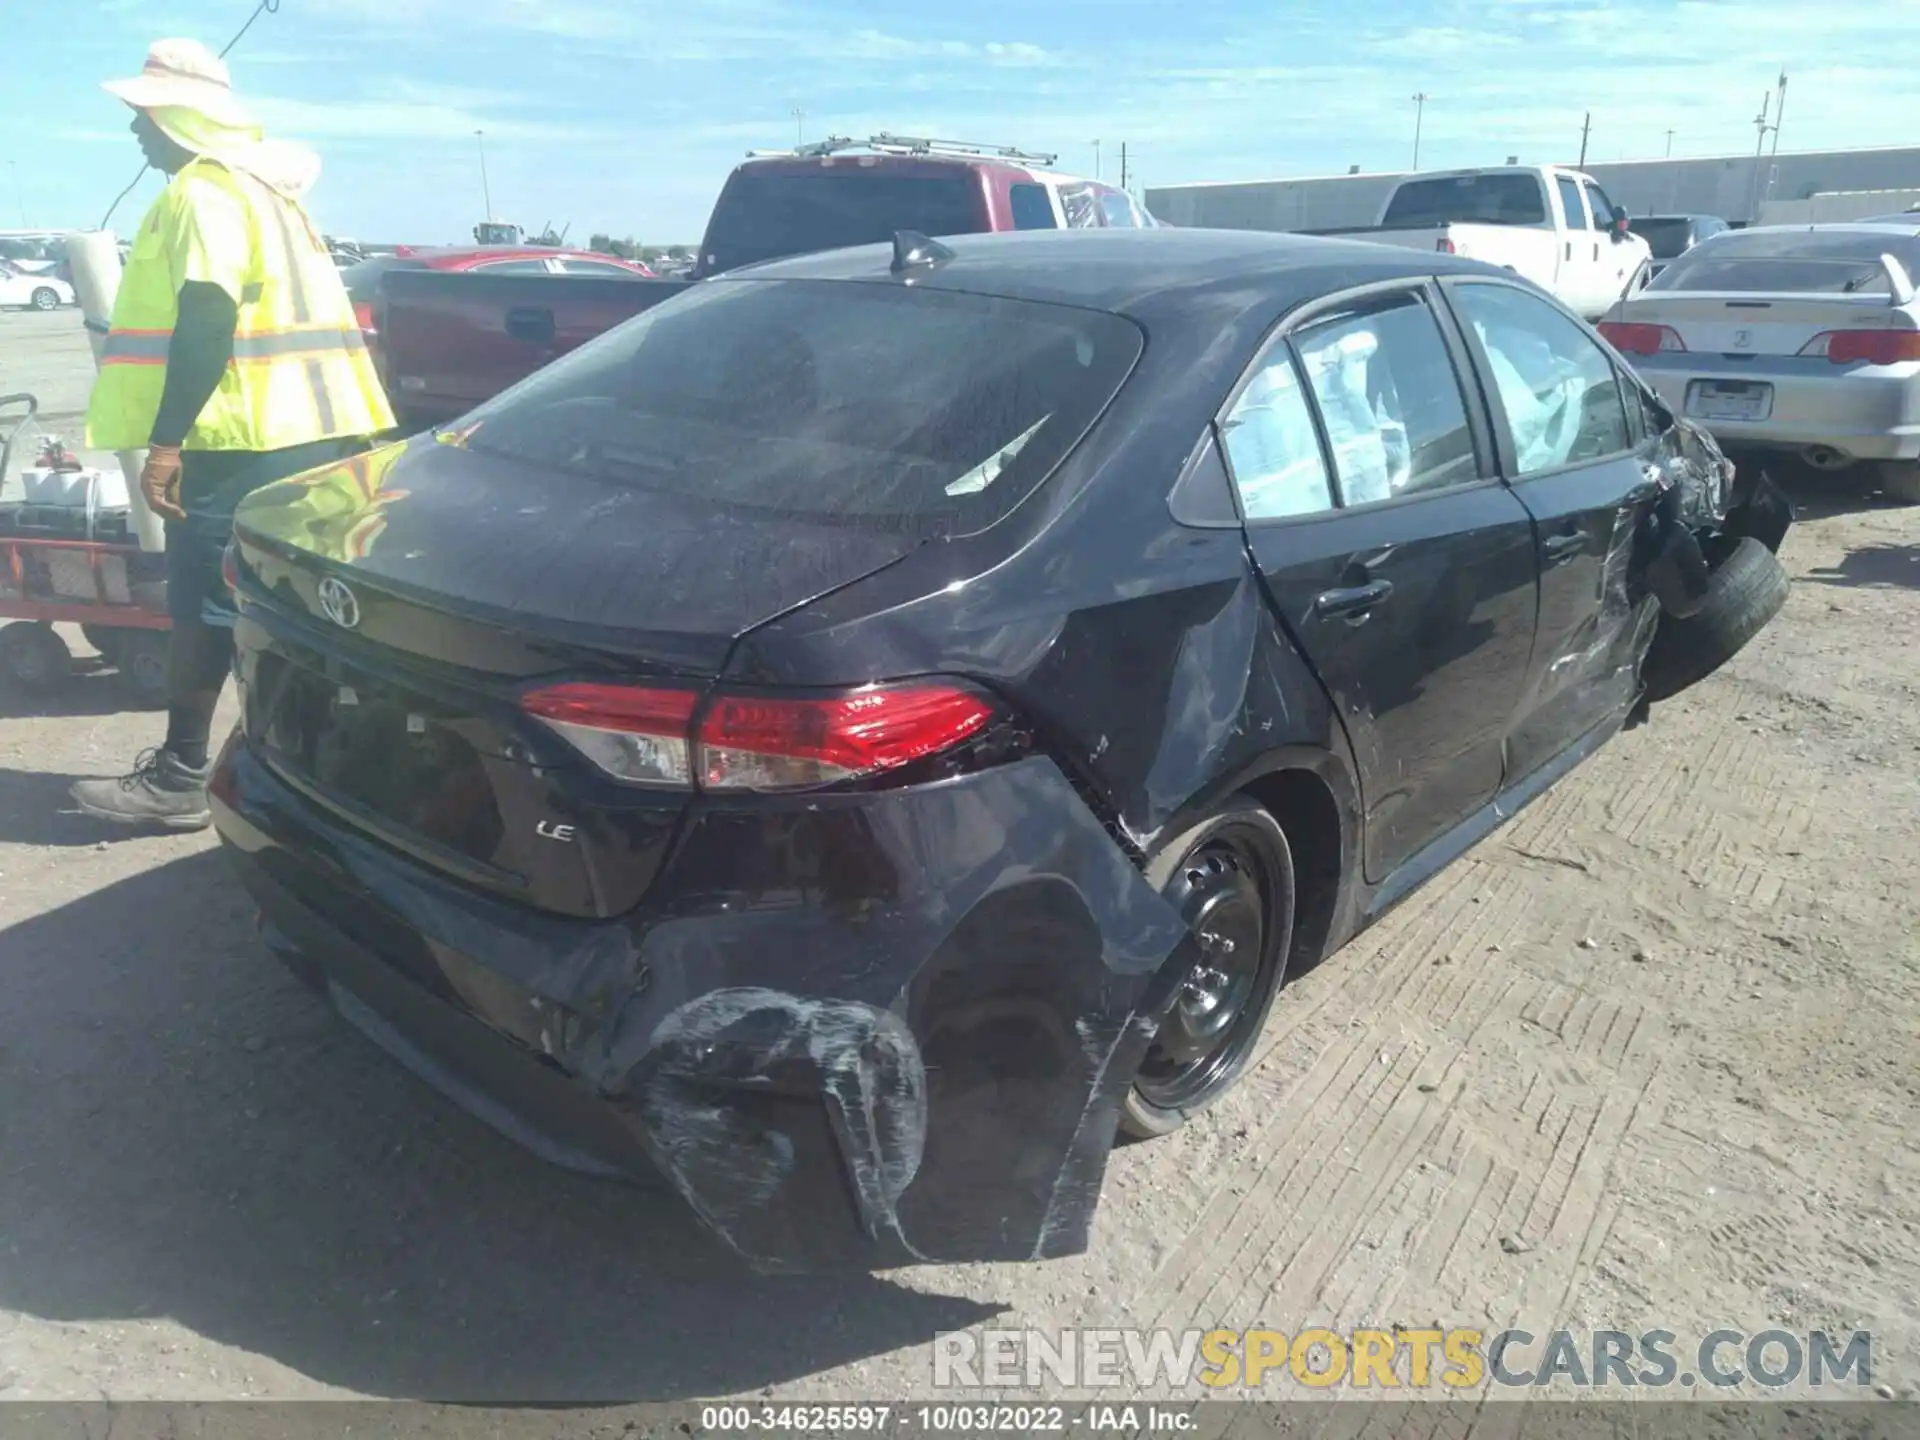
<point x="1742" y="325"/>
<point x="398" y="605"/>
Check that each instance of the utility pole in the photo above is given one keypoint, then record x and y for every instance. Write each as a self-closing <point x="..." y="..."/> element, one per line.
<point x="486" y="191"/>
<point x="1586" y="128"/>
<point x="1419" y="114"/>
<point x="1096" y="159"/>
<point x="1123" y="167"/>
<point x="1761" y="127"/>
<point x="1779" y="109"/>
<point x="1669" y="144"/>
<point x="799" y="122"/>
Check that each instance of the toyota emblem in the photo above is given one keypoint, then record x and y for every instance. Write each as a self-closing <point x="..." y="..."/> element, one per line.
<point x="339" y="604"/>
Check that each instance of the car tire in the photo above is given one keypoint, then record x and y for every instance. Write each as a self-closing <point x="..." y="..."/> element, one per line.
<point x="1900" y="480"/>
<point x="33" y="659"/>
<point x="141" y="659"/>
<point x="1745" y="591"/>
<point x="45" y="299"/>
<point x="1231" y="877"/>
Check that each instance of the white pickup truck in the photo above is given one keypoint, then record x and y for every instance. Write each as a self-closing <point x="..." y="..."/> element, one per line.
<point x="1556" y="227"/>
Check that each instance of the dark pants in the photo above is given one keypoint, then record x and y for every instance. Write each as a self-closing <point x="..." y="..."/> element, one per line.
<point x="212" y="484"/>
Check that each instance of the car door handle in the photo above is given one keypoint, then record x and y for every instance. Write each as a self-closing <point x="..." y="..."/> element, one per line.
<point x="529" y="324"/>
<point x="1558" y="549"/>
<point x="1354" y="601"/>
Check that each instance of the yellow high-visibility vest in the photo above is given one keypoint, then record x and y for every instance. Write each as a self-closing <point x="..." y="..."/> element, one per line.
<point x="300" y="370"/>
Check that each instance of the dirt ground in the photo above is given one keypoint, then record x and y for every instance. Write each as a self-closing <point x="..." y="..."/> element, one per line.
<point x="1645" y="1059"/>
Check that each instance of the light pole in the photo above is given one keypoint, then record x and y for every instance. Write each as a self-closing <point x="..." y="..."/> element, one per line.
<point x="799" y="120"/>
<point x="486" y="191"/>
<point x="1419" y="115"/>
<point x="19" y="195"/>
<point x="1096" y="159"/>
<point x="1669" y="144"/>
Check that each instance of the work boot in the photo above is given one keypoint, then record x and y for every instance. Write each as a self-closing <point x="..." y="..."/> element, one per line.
<point x="162" y="790"/>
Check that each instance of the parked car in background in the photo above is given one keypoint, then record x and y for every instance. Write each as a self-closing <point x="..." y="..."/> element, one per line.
<point x="1556" y="227"/>
<point x="864" y="732"/>
<point x="450" y="343"/>
<point x="1797" y="338"/>
<point x="845" y="192"/>
<point x="363" y="279"/>
<point x="1671" y="236"/>
<point x="29" y="290"/>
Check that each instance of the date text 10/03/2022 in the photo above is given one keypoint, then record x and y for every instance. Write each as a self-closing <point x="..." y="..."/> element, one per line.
<point x="940" y="1419"/>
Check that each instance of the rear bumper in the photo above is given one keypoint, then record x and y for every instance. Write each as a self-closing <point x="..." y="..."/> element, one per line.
<point x="1866" y="412"/>
<point x="892" y="1030"/>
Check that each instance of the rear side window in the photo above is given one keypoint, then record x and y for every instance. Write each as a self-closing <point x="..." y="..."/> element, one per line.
<point x="764" y="216"/>
<point x="833" y="403"/>
<point x="1558" y="393"/>
<point x="1032" y="210"/>
<point x="1081" y="207"/>
<point x="1272" y="448"/>
<point x="1390" y="400"/>
<point x="1570" y="203"/>
<point x="1485" y="199"/>
<point x="513" y="267"/>
<point x="1796" y="262"/>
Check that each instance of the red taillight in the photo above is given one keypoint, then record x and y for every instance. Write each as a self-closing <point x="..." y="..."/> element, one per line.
<point x="1445" y="246"/>
<point x="363" y="315"/>
<point x="758" y="742"/>
<point x="1875" y="347"/>
<point x="1635" y="339"/>
<point x="230" y="567"/>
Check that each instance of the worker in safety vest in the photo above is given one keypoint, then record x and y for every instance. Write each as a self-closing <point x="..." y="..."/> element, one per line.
<point x="235" y="359"/>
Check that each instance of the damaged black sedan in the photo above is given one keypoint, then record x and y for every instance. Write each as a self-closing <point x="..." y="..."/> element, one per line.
<point x="865" y="733"/>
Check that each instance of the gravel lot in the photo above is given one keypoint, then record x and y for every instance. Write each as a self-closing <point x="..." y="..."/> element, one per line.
<point x="1646" y="1059"/>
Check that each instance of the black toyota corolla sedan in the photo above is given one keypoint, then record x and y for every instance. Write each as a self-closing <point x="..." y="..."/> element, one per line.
<point x="865" y="733"/>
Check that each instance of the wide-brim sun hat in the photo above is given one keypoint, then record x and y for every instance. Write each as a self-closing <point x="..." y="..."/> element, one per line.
<point x="183" y="74"/>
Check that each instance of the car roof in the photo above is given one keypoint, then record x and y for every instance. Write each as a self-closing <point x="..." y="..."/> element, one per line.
<point x="1853" y="227"/>
<point x="1140" y="273"/>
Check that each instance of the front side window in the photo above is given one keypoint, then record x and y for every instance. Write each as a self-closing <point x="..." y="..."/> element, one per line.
<point x="605" y="269"/>
<point x="1602" y="208"/>
<point x="1272" y="448"/>
<point x="514" y="267"/>
<point x="1558" y="394"/>
<point x="1390" y="400"/>
<point x="919" y="410"/>
<point x="1118" y="211"/>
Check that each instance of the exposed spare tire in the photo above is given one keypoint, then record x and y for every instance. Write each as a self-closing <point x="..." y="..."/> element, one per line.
<point x="1746" y="590"/>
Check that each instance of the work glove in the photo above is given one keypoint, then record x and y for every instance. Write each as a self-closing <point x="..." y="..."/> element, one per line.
<point x="160" y="481"/>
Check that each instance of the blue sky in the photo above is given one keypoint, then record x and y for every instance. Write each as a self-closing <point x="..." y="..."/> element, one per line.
<point x="626" y="115"/>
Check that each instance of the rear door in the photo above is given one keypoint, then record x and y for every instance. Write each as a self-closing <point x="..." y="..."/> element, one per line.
<point x="1585" y="475"/>
<point x="1396" y="559"/>
<point x="1580" y="281"/>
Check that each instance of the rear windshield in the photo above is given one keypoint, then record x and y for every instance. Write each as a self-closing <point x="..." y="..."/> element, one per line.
<point x="1666" y="238"/>
<point x="868" y="405"/>
<point x="363" y="279"/>
<point x="1484" y="199"/>
<point x="1796" y="262"/>
<point x="767" y="215"/>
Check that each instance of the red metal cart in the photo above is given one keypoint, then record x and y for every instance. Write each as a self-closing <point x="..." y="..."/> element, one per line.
<point x="95" y="584"/>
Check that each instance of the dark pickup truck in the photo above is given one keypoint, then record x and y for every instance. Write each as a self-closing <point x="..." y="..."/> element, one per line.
<point x="446" y="342"/>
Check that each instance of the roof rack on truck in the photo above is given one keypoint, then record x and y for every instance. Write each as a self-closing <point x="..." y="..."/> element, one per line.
<point x="887" y="144"/>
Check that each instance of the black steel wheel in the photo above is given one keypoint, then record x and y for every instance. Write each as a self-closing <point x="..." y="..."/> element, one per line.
<point x="1231" y="878"/>
<point x="32" y="657"/>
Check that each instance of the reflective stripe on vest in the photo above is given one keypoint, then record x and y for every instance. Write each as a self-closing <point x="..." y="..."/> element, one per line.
<point x="300" y="369"/>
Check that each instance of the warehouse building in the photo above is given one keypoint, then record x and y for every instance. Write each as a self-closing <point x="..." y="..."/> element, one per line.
<point x="1811" y="185"/>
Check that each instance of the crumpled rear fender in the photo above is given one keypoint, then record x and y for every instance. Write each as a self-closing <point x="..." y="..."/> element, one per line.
<point x="917" y="1053"/>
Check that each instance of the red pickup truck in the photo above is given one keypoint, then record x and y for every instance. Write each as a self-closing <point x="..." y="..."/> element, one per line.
<point x="449" y="341"/>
